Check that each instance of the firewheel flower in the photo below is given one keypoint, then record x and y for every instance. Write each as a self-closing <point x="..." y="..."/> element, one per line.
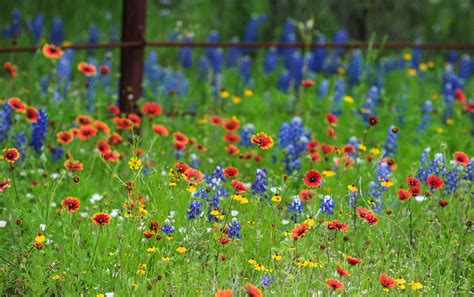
<point x="101" y="218"/>
<point x="336" y="225"/>
<point x="253" y="291"/>
<point x="73" y="165"/>
<point x="435" y="182"/>
<point x="17" y="104"/>
<point x="134" y="163"/>
<point x="334" y="284"/>
<point x="312" y="178"/>
<point x="386" y="281"/>
<point x="299" y="231"/>
<point x="239" y="187"/>
<point x="10" y="155"/>
<point x="71" y="204"/>
<point x="461" y="158"/>
<point x="4" y="184"/>
<point x="224" y="293"/>
<point x="51" y="51"/>
<point x="353" y="260"/>
<point x="262" y="140"/>
<point x="87" y="69"/>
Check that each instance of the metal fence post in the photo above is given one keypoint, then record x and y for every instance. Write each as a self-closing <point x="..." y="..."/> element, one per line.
<point x="131" y="58"/>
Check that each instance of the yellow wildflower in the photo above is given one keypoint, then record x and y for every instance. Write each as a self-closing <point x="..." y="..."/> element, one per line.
<point x="248" y="92"/>
<point x="276" y="197"/>
<point x="134" y="163"/>
<point x="348" y="99"/>
<point x="416" y="286"/>
<point x="181" y="249"/>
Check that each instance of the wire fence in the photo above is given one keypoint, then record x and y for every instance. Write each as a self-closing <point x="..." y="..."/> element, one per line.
<point x="261" y="44"/>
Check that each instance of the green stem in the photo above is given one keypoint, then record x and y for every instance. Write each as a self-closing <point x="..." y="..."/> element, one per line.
<point x="95" y="249"/>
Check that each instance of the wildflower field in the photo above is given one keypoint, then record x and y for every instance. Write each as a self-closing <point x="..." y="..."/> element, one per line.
<point x="259" y="172"/>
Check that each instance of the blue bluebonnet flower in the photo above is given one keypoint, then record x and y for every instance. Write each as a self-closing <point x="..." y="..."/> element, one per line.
<point x="354" y="69"/>
<point x="5" y="120"/>
<point x="287" y="35"/>
<point x="450" y="82"/>
<point x="44" y="83"/>
<point x="57" y="31"/>
<point x="452" y="178"/>
<point x="437" y="165"/>
<point x="295" y="208"/>
<point x="91" y="82"/>
<point x="215" y="178"/>
<point x="340" y="37"/>
<point x="323" y="89"/>
<point x="293" y="138"/>
<point x="245" y="70"/>
<point x="422" y="174"/>
<point x="340" y="88"/>
<point x="376" y="188"/>
<point x="185" y="56"/>
<point x="426" y="111"/>
<point x="351" y="198"/>
<point x="203" y="67"/>
<point x="296" y="68"/>
<point x="63" y="66"/>
<point x="266" y="280"/>
<point x="452" y="57"/>
<point x="260" y="185"/>
<point x="251" y="30"/>
<point x="270" y="61"/>
<point x="233" y="54"/>
<point x="370" y="104"/>
<point x="93" y="38"/>
<point x="233" y="229"/>
<point x="391" y="144"/>
<point x="56" y="154"/>
<point x="355" y="143"/>
<point x="415" y="58"/>
<point x="20" y="141"/>
<point x="465" y="67"/>
<point x="13" y="31"/>
<point x="284" y="81"/>
<point x="202" y="193"/>
<point x="195" y="161"/>
<point x="167" y="227"/>
<point x="469" y="172"/>
<point x="36" y="26"/>
<point x="214" y="55"/>
<point x="245" y="133"/>
<point x="318" y="57"/>
<point x="194" y="209"/>
<point x="328" y="205"/>
<point x="40" y="128"/>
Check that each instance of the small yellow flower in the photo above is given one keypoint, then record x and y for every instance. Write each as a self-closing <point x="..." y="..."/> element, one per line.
<point x="143" y="210"/>
<point x="400" y="282"/>
<point x="251" y="222"/>
<point x="151" y="249"/>
<point x="141" y="269"/>
<point x="430" y="64"/>
<point x="365" y="110"/>
<point x="328" y="173"/>
<point x="309" y="222"/>
<point x="348" y="99"/>
<point x="406" y="56"/>
<point x="202" y="121"/>
<point x="341" y="71"/>
<point x="374" y="151"/>
<point x="387" y="184"/>
<point x="411" y="71"/>
<point x="56" y="277"/>
<point x="244" y="200"/>
<point x="169" y="237"/>
<point x="277" y="257"/>
<point x="248" y="92"/>
<point x="181" y="249"/>
<point x="439" y="130"/>
<point x="215" y="211"/>
<point x="352" y="188"/>
<point x="134" y="163"/>
<point x="276" y="197"/>
<point x="236" y="99"/>
<point x="449" y="121"/>
<point x="423" y="67"/>
<point x="259" y="267"/>
<point x="100" y="295"/>
<point x="224" y="93"/>
<point x="191" y="189"/>
<point x="362" y="147"/>
<point x="128" y="214"/>
<point x="252" y="261"/>
<point x="40" y="238"/>
<point x="416" y="286"/>
<point x="165" y="258"/>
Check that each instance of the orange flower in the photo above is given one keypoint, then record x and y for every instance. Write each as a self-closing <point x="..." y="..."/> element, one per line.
<point x="52" y="52"/>
<point x="334" y="284"/>
<point x="262" y="140"/>
<point x="160" y="130"/>
<point x="83" y="120"/>
<point x="10" y="155"/>
<point x="180" y="138"/>
<point x="102" y="127"/>
<point x="299" y="231"/>
<point x="71" y="203"/>
<point x="232" y="149"/>
<point x="352" y="260"/>
<point x="253" y="291"/>
<point x="64" y="137"/>
<point x="461" y="158"/>
<point x="312" y="178"/>
<point x="231" y="125"/>
<point x="86" y="132"/>
<point x="231" y="172"/>
<point x="224" y="293"/>
<point x="123" y="123"/>
<point x="101" y="218"/>
<point x="151" y="109"/>
<point x="231" y="138"/>
<point x="193" y="175"/>
<point x="31" y="114"/>
<point x="17" y="104"/>
<point x="135" y="119"/>
<point x="342" y="271"/>
<point x="386" y="281"/>
<point x="73" y="165"/>
<point x="336" y="225"/>
<point x="239" y="187"/>
<point x="87" y="69"/>
<point x="4" y="184"/>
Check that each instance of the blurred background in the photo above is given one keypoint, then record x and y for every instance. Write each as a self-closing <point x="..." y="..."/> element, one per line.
<point x="25" y="22"/>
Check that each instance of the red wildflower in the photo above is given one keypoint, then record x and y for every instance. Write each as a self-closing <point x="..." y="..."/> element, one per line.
<point x="101" y="218"/>
<point x="334" y="284"/>
<point x="362" y="212"/>
<point x="415" y="191"/>
<point x="231" y="137"/>
<point x="253" y="291"/>
<point x="193" y="175"/>
<point x="403" y="194"/>
<point x="135" y="119"/>
<point x="114" y="139"/>
<point x="231" y="172"/>
<point x="342" y="271"/>
<point x="232" y="149"/>
<point x="103" y="147"/>
<point x="104" y="69"/>
<point x="371" y="218"/>
<point x="224" y="293"/>
<point x="180" y="138"/>
<point x="312" y="178"/>
<point x="4" y="184"/>
<point x="51" y="51"/>
<point x="435" y="182"/>
<point x="31" y="114"/>
<point x="336" y="225"/>
<point x="307" y="83"/>
<point x="348" y="149"/>
<point x="306" y="195"/>
<point x="151" y="109"/>
<point x="315" y="157"/>
<point x="215" y="120"/>
<point x="73" y="165"/>
<point x="412" y="181"/>
<point x="83" y="120"/>
<point x="223" y="240"/>
<point x="17" y="104"/>
<point x="312" y="146"/>
<point x="64" y="137"/>
<point x="327" y="148"/>
<point x="353" y="260"/>
<point x="86" y="132"/>
<point x="10" y="69"/>
<point x="71" y="204"/>
<point x="443" y="203"/>
<point x="239" y="187"/>
<point x="459" y="94"/>
<point x="87" y="69"/>
<point x="373" y="120"/>
<point x="123" y="123"/>
<point x="111" y="156"/>
<point x="148" y="234"/>
<point x="331" y="132"/>
<point x="299" y="231"/>
<point x="461" y="158"/>
<point x="113" y="109"/>
<point x="262" y="140"/>
<point x="386" y="281"/>
<point x="231" y="124"/>
<point x="102" y="127"/>
<point x="181" y="167"/>
<point x="10" y="155"/>
<point x="160" y="130"/>
<point x="331" y="119"/>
